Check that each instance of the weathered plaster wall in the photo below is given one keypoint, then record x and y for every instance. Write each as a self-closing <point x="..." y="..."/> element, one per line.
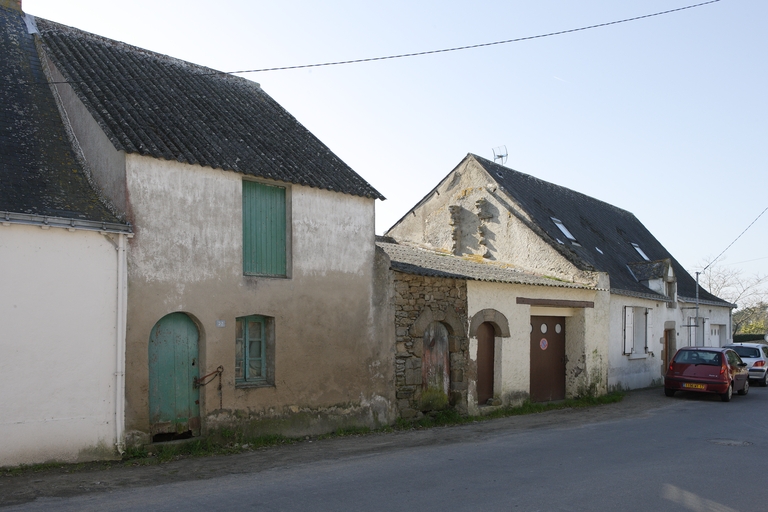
<point x="586" y="338"/>
<point x="57" y="345"/>
<point x="332" y="363"/>
<point x="452" y="220"/>
<point x="418" y="301"/>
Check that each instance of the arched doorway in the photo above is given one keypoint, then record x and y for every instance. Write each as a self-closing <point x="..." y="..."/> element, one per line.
<point x="174" y="409"/>
<point x="435" y="364"/>
<point x="486" y="350"/>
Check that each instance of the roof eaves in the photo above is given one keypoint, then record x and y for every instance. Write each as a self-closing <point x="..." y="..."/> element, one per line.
<point x="8" y="218"/>
<point x="641" y="295"/>
<point x="692" y="300"/>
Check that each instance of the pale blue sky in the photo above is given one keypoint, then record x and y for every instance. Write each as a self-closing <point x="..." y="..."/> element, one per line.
<point x="665" y="117"/>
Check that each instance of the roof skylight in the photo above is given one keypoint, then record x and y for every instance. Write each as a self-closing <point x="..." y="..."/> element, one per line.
<point x="564" y="229"/>
<point x="640" y="252"/>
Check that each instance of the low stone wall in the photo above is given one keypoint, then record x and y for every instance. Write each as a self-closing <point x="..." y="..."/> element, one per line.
<point x="419" y="301"/>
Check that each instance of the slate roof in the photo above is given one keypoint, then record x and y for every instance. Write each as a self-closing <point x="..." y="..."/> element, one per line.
<point x="417" y="261"/>
<point x="155" y="105"/>
<point x="40" y="176"/>
<point x="595" y="225"/>
<point x="647" y="270"/>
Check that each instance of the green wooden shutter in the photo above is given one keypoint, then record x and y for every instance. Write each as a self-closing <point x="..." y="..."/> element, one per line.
<point x="263" y="229"/>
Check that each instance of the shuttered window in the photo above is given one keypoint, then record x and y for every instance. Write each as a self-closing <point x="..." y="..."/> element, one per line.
<point x="264" y="227"/>
<point x="638" y="330"/>
<point x="629" y="329"/>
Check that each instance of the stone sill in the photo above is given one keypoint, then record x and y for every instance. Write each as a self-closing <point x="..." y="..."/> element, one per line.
<point x="637" y="356"/>
<point x="253" y="385"/>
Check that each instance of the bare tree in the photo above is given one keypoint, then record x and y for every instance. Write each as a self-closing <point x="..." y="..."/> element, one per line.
<point x="749" y="293"/>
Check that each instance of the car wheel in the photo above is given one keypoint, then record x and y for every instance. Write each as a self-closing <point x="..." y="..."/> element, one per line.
<point x="745" y="389"/>
<point x="764" y="382"/>
<point x="669" y="392"/>
<point x="726" y="397"/>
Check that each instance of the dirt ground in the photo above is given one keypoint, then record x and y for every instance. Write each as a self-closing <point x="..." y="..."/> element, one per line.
<point x="93" y="478"/>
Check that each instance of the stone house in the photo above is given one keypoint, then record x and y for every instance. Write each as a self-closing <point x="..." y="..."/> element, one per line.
<point x="641" y="303"/>
<point x="463" y="333"/>
<point x="251" y="300"/>
<point x="62" y="278"/>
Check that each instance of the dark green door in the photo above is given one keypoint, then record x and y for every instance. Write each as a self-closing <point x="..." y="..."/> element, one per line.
<point x="173" y="368"/>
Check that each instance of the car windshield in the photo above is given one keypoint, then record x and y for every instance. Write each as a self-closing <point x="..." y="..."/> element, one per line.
<point x="747" y="351"/>
<point x="698" y="357"/>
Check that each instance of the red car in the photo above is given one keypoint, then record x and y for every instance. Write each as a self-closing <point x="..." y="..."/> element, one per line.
<point x="707" y="370"/>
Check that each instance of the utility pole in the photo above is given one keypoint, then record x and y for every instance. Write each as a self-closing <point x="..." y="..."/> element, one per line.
<point x="696" y="329"/>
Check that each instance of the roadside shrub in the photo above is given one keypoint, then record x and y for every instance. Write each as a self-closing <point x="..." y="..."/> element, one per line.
<point x="748" y="338"/>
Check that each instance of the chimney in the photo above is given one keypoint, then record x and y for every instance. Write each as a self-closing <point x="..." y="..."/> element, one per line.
<point x="11" y="4"/>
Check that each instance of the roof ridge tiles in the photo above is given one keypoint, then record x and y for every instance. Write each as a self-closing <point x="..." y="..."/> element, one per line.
<point x="49" y="26"/>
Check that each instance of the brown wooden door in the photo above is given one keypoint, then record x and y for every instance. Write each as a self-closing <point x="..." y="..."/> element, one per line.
<point x="485" y="362"/>
<point x="547" y="358"/>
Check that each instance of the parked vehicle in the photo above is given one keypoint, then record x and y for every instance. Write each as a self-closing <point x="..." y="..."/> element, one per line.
<point x="756" y="356"/>
<point x="717" y="370"/>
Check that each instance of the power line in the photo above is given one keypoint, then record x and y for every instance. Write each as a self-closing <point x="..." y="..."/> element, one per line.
<point x="469" y="47"/>
<point x="729" y="245"/>
<point x="747" y="261"/>
<point x="419" y="54"/>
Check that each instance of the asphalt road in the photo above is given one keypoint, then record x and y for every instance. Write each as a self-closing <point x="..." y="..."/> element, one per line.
<point x="648" y="452"/>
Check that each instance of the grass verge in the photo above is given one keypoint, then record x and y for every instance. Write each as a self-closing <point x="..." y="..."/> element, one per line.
<point x="230" y="441"/>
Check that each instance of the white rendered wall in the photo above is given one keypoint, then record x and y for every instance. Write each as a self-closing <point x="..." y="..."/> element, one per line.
<point x="586" y="348"/>
<point x="58" y="304"/>
<point x="643" y="369"/>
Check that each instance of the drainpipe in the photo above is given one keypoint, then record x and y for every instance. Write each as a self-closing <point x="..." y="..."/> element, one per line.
<point x="122" y="296"/>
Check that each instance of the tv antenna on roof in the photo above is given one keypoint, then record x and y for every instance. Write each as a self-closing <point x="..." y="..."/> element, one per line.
<point x="500" y="154"/>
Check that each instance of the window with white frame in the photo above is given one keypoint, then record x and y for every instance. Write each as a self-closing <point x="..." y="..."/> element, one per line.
<point x="638" y="328"/>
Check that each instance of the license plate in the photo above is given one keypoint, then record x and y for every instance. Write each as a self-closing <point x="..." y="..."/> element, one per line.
<point x="690" y="385"/>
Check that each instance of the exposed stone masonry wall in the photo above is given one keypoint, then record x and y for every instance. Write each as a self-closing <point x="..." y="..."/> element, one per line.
<point x="419" y="301"/>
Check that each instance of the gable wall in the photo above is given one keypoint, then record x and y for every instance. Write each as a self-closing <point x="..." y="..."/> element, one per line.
<point x="58" y="318"/>
<point x="105" y="164"/>
<point x="506" y="236"/>
<point x="331" y="367"/>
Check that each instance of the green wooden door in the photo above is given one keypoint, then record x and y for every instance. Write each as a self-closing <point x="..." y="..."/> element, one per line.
<point x="173" y="368"/>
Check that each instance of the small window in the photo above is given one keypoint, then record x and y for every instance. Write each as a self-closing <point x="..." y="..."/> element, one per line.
<point x="253" y="346"/>
<point x="640" y="252"/>
<point x="564" y="230"/>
